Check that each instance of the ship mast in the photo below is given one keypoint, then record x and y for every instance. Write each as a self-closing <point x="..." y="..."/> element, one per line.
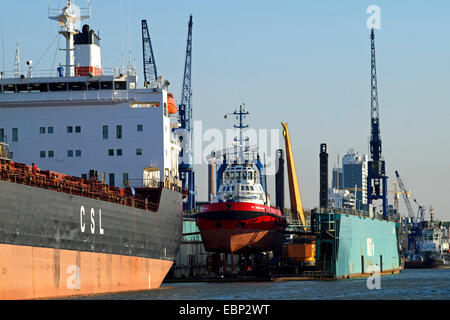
<point x="68" y="18"/>
<point x="240" y="142"/>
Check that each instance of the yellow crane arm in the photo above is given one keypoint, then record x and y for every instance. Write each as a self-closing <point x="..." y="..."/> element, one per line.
<point x="294" y="189"/>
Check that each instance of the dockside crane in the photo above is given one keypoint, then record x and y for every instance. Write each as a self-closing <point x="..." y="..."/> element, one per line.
<point x="150" y="72"/>
<point x="186" y="167"/>
<point x="415" y="230"/>
<point x="294" y="188"/>
<point x="376" y="178"/>
<point x="405" y="195"/>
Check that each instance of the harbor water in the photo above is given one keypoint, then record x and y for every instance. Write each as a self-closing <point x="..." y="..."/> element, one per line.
<point x="410" y="284"/>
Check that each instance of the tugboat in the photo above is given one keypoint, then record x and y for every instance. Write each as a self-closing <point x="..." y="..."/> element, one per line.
<point x="239" y="218"/>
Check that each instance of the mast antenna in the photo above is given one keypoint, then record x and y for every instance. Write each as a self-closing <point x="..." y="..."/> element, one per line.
<point x="16" y="68"/>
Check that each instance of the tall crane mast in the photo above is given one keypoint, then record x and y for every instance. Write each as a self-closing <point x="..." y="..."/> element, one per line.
<point x="186" y="93"/>
<point x="186" y="168"/>
<point x="376" y="178"/>
<point x="405" y="194"/>
<point x="150" y="72"/>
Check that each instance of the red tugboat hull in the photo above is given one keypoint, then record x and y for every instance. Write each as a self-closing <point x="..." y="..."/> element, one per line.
<point x="241" y="227"/>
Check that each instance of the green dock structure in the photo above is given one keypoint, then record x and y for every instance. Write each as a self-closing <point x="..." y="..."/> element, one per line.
<point x="352" y="244"/>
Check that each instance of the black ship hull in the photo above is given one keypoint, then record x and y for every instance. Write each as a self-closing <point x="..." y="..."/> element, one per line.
<point x="82" y="245"/>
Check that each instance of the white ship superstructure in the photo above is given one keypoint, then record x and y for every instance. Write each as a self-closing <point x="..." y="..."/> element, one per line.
<point x="84" y="119"/>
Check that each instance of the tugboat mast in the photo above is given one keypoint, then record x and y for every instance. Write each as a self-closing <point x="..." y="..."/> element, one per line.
<point x="242" y="113"/>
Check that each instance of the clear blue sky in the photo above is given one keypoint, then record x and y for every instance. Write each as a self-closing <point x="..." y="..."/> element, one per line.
<point x="304" y="62"/>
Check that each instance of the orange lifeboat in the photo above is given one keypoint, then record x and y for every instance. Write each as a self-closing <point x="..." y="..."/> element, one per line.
<point x="172" y="106"/>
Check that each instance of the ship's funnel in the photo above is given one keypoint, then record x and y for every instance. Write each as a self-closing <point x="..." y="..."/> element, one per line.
<point x="88" y="60"/>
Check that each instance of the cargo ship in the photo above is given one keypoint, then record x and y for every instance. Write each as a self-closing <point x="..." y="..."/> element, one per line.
<point x="239" y="218"/>
<point x="103" y="212"/>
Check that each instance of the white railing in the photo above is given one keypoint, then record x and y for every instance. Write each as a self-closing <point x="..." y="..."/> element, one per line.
<point x="68" y="96"/>
<point x="53" y="73"/>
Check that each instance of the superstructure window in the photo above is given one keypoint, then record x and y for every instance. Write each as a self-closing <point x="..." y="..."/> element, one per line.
<point x="42" y="130"/>
<point x="70" y="153"/>
<point x="15" y="134"/>
<point x="9" y="88"/>
<point x="139" y="152"/>
<point x="22" y="87"/>
<point x="77" y="86"/>
<point x="110" y="152"/>
<point x="77" y="153"/>
<point x="77" y="129"/>
<point x="38" y="87"/>
<point x="108" y="85"/>
<point x="42" y="154"/>
<point x="51" y="154"/>
<point x="105" y="132"/>
<point x="120" y="85"/>
<point x="93" y="85"/>
<point x="60" y="86"/>
<point x="119" y="152"/>
<point x="69" y="129"/>
<point x="2" y="135"/>
<point x="50" y="130"/>
<point x="119" y="132"/>
<point x="140" y="128"/>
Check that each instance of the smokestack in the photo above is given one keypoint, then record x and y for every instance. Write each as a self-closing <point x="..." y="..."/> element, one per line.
<point x="211" y="176"/>
<point x="279" y="181"/>
<point x="323" y="175"/>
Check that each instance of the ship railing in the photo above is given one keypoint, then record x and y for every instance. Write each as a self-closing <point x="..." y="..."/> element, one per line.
<point x="81" y="12"/>
<point x="361" y="213"/>
<point x="23" y="174"/>
<point x="26" y="77"/>
<point x="171" y="183"/>
<point x="68" y="96"/>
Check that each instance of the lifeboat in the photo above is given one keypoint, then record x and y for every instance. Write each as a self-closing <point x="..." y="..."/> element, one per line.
<point x="172" y="106"/>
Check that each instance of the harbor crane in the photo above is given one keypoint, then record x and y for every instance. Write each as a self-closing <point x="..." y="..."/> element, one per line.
<point x="376" y="178"/>
<point x="150" y="72"/>
<point x="294" y="189"/>
<point x="405" y="195"/>
<point x="186" y="167"/>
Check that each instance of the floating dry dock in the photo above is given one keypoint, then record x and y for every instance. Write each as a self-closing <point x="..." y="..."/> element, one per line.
<point x="352" y="244"/>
